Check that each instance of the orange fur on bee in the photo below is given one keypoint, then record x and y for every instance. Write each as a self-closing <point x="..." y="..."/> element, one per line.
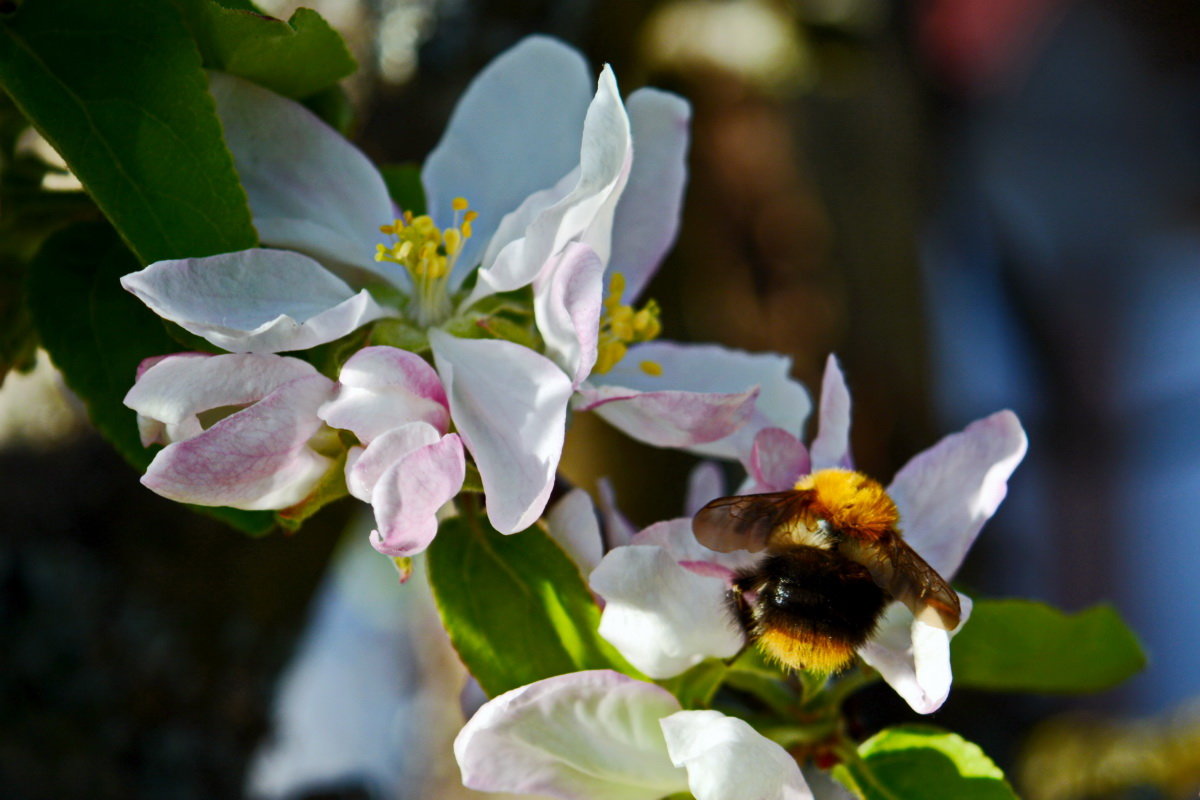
<point x="851" y="502"/>
<point x="800" y="649"/>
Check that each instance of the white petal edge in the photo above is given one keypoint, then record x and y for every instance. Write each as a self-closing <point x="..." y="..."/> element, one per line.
<point x="408" y="494"/>
<point x="365" y="465"/>
<point x="705" y="483"/>
<point x="573" y="524"/>
<point x="381" y="388"/>
<point x="567" y="300"/>
<point x="591" y="735"/>
<point x="309" y="189"/>
<point x="831" y="446"/>
<point x="510" y="406"/>
<point x="946" y="493"/>
<point x="662" y="617"/>
<point x="254" y="301"/>
<point x="514" y="131"/>
<point x="726" y="759"/>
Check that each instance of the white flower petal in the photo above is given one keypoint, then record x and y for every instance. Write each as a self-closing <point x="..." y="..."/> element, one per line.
<point x="381" y="388"/>
<point x="367" y="464"/>
<point x="831" y="447"/>
<point x="676" y="537"/>
<point x="777" y="460"/>
<point x="503" y="260"/>
<point x="567" y="300"/>
<point x="515" y="131"/>
<point x="510" y="406"/>
<point x="408" y="494"/>
<point x="618" y="530"/>
<point x="657" y="408"/>
<point x="913" y="657"/>
<point x="662" y="617"/>
<point x="705" y="483"/>
<point x="257" y="458"/>
<point x="948" y="492"/>
<point x="583" y="736"/>
<point x="309" y="189"/>
<point x="726" y="759"/>
<point x="647" y="216"/>
<point x="573" y="524"/>
<point x="254" y="301"/>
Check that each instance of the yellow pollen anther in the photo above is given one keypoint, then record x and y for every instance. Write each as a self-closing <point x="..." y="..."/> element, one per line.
<point x="622" y="325"/>
<point x="459" y="204"/>
<point x="453" y="240"/>
<point x="470" y="216"/>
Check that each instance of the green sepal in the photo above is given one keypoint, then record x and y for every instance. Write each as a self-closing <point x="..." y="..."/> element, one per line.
<point x="695" y="687"/>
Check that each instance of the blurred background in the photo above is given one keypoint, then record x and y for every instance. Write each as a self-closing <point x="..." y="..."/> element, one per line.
<point x="976" y="204"/>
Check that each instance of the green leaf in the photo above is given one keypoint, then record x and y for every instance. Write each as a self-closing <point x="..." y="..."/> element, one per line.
<point x="516" y="608"/>
<point x="404" y="185"/>
<point x="118" y="90"/>
<point x="97" y="334"/>
<point x="695" y="687"/>
<point x="1027" y="646"/>
<point x="297" y="58"/>
<point x="922" y="763"/>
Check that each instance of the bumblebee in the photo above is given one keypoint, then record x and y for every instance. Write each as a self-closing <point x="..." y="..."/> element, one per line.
<point x="834" y="559"/>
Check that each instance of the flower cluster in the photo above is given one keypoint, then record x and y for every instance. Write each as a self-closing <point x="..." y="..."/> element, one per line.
<point x="442" y="347"/>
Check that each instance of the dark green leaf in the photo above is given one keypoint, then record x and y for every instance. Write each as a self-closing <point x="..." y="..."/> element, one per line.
<point x="516" y="608"/>
<point x="696" y="687"/>
<point x="118" y="90"/>
<point x="296" y="58"/>
<point x="922" y="763"/>
<point x="404" y="185"/>
<point x="1026" y="646"/>
<point x="97" y="334"/>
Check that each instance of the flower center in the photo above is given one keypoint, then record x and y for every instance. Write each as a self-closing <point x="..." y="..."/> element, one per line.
<point x="622" y="325"/>
<point x="428" y="254"/>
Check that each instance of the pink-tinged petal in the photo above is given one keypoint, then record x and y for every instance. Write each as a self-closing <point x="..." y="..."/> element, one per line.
<point x="777" y="460"/>
<point x="913" y="657"/>
<point x="573" y="524"/>
<point x="618" y="530"/>
<point x="663" y="617"/>
<point x="726" y="759"/>
<point x="515" y="131"/>
<point x="582" y="736"/>
<point x="510" y="406"/>
<point x="254" y="301"/>
<point x="647" y="216"/>
<point x="567" y="300"/>
<point x="257" y="458"/>
<point x="309" y="189"/>
<point x="365" y="466"/>
<point x="669" y="418"/>
<point x="173" y="390"/>
<point x="676" y="537"/>
<point x="831" y="447"/>
<point x="407" y="496"/>
<point x="584" y="214"/>
<point x="503" y="265"/>
<point x="948" y="492"/>
<point x="381" y="388"/>
<point x="705" y="483"/>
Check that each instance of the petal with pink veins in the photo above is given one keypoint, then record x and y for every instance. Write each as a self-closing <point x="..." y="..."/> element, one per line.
<point x="567" y="300"/>
<point x="661" y="616"/>
<point x="647" y="216"/>
<point x="492" y="155"/>
<point x="948" y="492"/>
<point x="257" y="458"/>
<point x="676" y="537"/>
<point x="254" y="301"/>
<point x="831" y="447"/>
<point x="510" y="406"/>
<point x="407" y="496"/>
<point x="309" y="189"/>
<point x="365" y="465"/>
<point x="913" y="657"/>
<point x="777" y="460"/>
<point x="591" y="735"/>
<point x="726" y="759"/>
<point x="380" y="388"/>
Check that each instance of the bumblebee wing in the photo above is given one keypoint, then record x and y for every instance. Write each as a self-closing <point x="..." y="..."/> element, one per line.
<point x="899" y="570"/>
<point x="745" y="522"/>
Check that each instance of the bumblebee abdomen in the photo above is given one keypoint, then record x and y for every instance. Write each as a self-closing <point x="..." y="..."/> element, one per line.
<point x="814" y="608"/>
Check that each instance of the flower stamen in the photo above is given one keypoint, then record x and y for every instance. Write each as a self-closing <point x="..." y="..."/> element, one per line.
<point x="622" y="325"/>
<point x="428" y="254"/>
